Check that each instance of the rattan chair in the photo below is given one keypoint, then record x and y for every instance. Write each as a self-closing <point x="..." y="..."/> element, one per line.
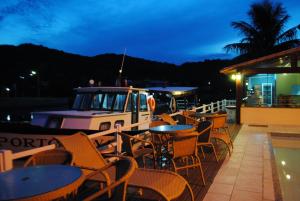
<point x="184" y="153"/>
<point x="138" y="148"/>
<point x="48" y="157"/>
<point x="167" y="118"/>
<point x="220" y="130"/>
<point x="168" y="185"/>
<point x="124" y="168"/>
<point x="204" y="131"/>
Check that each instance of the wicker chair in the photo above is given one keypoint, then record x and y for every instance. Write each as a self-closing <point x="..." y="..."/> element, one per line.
<point x="48" y="157"/>
<point x="184" y="152"/>
<point x="168" y="185"/>
<point x="220" y="130"/>
<point x="204" y="131"/>
<point x="136" y="148"/>
<point x="124" y="168"/>
<point x="167" y="118"/>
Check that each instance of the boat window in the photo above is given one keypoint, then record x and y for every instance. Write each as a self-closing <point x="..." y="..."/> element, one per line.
<point x="128" y="109"/>
<point x="96" y="102"/>
<point x="143" y="102"/>
<point x="108" y="101"/>
<point x="86" y="101"/>
<point x="77" y="101"/>
<point x="120" y="102"/>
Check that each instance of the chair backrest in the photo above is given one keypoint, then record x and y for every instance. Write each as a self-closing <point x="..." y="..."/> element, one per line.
<point x="127" y="144"/>
<point x="204" y="130"/>
<point x="124" y="167"/>
<point x="218" y="121"/>
<point x="167" y="118"/>
<point x="157" y="123"/>
<point x="83" y="150"/>
<point x="49" y="157"/>
<point x="184" y="146"/>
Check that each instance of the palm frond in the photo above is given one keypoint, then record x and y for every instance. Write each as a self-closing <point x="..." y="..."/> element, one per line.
<point x="245" y="28"/>
<point x="288" y="35"/>
<point x="240" y="48"/>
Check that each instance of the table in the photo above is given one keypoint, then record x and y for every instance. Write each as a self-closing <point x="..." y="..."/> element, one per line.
<point x="171" y="129"/>
<point x="45" y="182"/>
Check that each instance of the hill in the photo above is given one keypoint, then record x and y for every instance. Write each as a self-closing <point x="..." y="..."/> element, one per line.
<point x="59" y="72"/>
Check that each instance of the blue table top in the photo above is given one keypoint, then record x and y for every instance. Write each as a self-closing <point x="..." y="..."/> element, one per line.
<point x="31" y="181"/>
<point x="170" y="128"/>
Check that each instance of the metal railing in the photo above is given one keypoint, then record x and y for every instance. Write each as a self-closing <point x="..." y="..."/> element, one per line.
<point x="7" y="156"/>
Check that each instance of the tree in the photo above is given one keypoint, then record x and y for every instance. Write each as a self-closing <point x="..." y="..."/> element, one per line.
<point x="265" y="33"/>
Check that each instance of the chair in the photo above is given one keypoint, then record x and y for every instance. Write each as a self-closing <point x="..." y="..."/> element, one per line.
<point x="220" y="130"/>
<point x="167" y="118"/>
<point x="204" y="131"/>
<point x="124" y="168"/>
<point x="167" y="184"/>
<point x="185" y="149"/>
<point x="48" y="157"/>
<point x="136" y="148"/>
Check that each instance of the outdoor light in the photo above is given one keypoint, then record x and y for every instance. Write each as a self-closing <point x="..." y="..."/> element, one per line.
<point x="209" y="83"/>
<point x="7" y="89"/>
<point x="237" y="76"/>
<point x="177" y="93"/>
<point x="33" y="72"/>
<point x="22" y="77"/>
<point x="288" y="176"/>
<point x="283" y="163"/>
<point x="247" y="83"/>
<point x="8" y="117"/>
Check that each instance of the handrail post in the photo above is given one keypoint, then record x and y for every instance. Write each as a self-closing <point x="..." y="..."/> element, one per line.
<point x="119" y="139"/>
<point x="223" y="104"/>
<point x="204" y="108"/>
<point x="218" y="105"/>
<point x="211" y="107"/>
<point x="6" y="160"/>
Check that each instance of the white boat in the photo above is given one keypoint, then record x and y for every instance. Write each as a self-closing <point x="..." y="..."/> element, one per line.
<point x="95" y="109"/>
<point x="99" y="108"/>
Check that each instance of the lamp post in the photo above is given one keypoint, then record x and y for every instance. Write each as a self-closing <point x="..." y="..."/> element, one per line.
<point x="38" y="90"/>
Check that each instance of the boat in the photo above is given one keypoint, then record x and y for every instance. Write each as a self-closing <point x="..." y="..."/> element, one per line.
<point x="95" y="109"/>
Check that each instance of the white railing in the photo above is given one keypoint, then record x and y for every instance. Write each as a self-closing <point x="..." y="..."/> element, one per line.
<point x="7" y="157"/>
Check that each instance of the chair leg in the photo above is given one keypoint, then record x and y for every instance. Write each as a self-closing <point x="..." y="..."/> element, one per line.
<point x="201" y="170"/>
<point x="214" y="150"/>
<point x="202" y="152"/>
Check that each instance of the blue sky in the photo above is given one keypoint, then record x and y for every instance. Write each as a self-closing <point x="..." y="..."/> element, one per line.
<point x="174" y="31"/>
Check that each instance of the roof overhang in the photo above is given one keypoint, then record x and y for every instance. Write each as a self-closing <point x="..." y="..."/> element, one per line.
<point x="248" y="64"/>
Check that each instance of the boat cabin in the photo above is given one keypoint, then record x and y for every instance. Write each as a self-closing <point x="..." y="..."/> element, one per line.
<point x="99" y="108"/>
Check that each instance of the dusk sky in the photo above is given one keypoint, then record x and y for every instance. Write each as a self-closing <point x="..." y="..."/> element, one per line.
<point x="174" y="31"/>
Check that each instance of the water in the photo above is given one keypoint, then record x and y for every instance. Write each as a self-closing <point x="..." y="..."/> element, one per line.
<point x="287" y="156"/>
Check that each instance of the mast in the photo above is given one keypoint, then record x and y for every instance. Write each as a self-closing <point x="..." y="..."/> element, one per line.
<point x="119" y="79"/>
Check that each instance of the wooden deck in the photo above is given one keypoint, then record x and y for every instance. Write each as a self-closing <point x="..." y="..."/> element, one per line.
<point x="210" y="168"/>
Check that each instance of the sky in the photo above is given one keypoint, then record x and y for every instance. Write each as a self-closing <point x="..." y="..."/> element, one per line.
<point x="174" y="31"/>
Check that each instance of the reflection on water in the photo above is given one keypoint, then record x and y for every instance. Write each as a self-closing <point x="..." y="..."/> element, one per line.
<point x="15" y="117"/>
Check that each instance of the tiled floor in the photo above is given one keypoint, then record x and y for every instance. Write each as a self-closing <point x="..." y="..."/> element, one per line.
<point x="247" y="174"/>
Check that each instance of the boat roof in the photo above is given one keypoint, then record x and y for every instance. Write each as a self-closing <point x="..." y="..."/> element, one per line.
<point x="107" y="89"/>
<point x="178" y="90"/>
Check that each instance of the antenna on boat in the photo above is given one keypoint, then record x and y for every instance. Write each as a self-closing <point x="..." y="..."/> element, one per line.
<point x="119" y="79"/>
<point x="122" y="64"/>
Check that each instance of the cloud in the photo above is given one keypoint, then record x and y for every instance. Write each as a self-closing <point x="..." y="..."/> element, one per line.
<point x="173" y="31"/>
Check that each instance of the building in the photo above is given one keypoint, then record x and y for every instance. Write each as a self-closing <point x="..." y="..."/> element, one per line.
<point x="268" y="88"/>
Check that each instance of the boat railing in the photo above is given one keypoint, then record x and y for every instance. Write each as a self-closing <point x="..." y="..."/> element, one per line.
<point x="7" y="156"/>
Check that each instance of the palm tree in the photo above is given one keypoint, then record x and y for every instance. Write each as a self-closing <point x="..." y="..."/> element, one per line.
<point x="265" y="32"/>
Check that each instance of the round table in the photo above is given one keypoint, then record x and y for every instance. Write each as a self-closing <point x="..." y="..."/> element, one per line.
<point x="171" y="129"/>
<point x="45" y="182"/>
